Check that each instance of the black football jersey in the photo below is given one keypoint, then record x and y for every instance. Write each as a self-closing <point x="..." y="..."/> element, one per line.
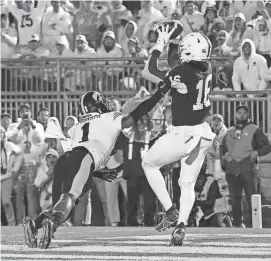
<point x="191" y="83"/>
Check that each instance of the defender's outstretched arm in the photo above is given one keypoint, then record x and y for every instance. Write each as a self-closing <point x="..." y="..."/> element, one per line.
<point x="143" y="108"/>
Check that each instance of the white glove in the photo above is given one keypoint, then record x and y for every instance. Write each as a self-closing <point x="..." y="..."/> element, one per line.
<point x="163" y="37"/>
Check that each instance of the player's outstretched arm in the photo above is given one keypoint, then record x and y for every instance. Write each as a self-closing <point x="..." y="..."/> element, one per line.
<point x="151" y="71"/>
<point x="143" y="108"/>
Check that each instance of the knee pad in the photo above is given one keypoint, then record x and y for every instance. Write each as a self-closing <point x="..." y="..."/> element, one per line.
<point x="65" y="203"/>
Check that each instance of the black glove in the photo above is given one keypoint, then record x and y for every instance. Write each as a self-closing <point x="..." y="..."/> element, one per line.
<point x="107" y="174"/>
<point x="164" y="86"/>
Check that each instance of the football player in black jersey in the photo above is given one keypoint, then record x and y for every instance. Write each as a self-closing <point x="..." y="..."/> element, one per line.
<point x="191" y="136"/>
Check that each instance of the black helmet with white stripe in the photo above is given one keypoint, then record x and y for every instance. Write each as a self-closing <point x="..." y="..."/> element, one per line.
<point x="93" y="102"/>
<point x="194" y="47"/>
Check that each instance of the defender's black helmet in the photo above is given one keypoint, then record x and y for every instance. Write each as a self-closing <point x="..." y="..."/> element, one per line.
<point x="93" y="102"/>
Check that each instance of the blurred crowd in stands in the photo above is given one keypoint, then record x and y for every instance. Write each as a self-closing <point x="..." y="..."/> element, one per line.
<point x="115" y="29"/>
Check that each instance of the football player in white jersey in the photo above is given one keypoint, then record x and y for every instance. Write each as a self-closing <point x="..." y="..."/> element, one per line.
<point x="93" y="140"/>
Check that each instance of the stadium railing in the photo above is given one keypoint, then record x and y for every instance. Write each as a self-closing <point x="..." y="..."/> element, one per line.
<point x="58" y="83"/>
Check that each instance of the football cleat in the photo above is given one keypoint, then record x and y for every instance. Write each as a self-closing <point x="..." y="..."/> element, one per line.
<point x="47" y="233"/>
<point x="170" y="220"/>
<point x="178" y="234"/>
<point x="30" y="232"/>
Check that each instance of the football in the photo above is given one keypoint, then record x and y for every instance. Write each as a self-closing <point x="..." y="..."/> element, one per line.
<point x="176" y="33"/>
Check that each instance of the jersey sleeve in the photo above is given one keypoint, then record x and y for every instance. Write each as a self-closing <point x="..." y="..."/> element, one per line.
<point x="15" y="10"/>
<point x="151" y="71"/>
<point x="177" y="80"/>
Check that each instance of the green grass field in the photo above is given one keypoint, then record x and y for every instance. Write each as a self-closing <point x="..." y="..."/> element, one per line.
<point x="126" y="243"/>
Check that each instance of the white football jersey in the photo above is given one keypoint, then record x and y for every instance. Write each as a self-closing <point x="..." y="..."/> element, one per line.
<point x="98" y="133"/>
<point x="28" y="22"/>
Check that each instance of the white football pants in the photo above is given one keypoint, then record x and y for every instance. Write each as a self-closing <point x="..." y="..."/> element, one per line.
<point x="188" y="144"/>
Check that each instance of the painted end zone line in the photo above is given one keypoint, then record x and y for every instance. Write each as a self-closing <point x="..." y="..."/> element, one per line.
<point x="121" y="257"/>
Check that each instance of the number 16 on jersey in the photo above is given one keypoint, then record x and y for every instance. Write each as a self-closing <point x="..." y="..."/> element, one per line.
<point x="204" y="87"/>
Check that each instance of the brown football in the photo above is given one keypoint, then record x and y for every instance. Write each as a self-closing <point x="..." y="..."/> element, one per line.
<point x="178" y="30"/>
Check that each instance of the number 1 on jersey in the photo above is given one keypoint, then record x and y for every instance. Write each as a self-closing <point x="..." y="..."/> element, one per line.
<point x="85" y="129"/>
<point x="204" y="88"/>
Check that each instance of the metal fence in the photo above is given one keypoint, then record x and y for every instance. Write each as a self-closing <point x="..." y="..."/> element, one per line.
<point x="58" y="83"/>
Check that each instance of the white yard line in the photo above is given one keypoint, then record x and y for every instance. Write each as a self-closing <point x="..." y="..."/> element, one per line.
<point x="120" y="257"/>
<point x="158" y="249"/>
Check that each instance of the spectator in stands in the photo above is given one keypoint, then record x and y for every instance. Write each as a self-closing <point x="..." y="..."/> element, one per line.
<point x="112" y="188"/>
<point x="61" y="50"/>
<point x="131" y="73"/>
<point x="80" y="79"/>
<point x="110" y="49"/>
<point x="249" y="69"/>
<point x="8" y="165"/>
<point x="9" y="38"/>
<point x="27" y="128"/>
<point x="148" y="15"/>
<point x="220" y="41"/>
<point x="193" y="20"/>
<point x="219" y="128"/>
<point x="31" y="75"/>
<point x="5" y="120"/>
<point x="268" y="6"/>
<point x="56" y="23"/>
<point x="69" y="122"/>
<point x="44" y="179"/>
<point x="135" y="51"/>
<point x="120" y="15"/>
<point x="229" y="24"/>
<point x="165" y="7"/>
<point x="29" y="19"/>
<point x="211" y="25"/>
<point x="225" y="12"/>
<point x="248" y="8"/>
<point x="262" y="36"/>
<point x="43" y="116"/>
<point x="239" y="32"/>
<point x="33" y="50"/>
<point x="92" y="20"/>
<point x="239" y="151"/>
<point x="82" y="49"/>
<point x="67" y="7"/>
<point x="150" y="37"/>
<point x="203" y="5"/>
<point x="176" y="14"/>
<point x="267" y="76"/>
<point x="130" y="32"/>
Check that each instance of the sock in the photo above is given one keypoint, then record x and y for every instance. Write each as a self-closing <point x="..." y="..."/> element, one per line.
<point x="44" y="214"/>
<point x="158" y="185"/>
<point x="62" y="209"/>
<point x="187" y="200"/>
